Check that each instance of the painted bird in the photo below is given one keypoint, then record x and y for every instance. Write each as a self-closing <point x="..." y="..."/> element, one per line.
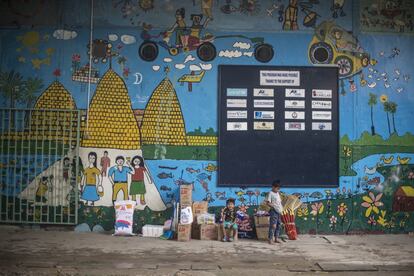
<point x="387" y="160"/>
<point x="403" y="161"/>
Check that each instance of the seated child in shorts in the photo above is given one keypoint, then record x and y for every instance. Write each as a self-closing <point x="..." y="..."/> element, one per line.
<point x="228" y="217"/>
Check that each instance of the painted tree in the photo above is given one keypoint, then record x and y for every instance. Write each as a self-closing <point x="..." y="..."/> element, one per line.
<point x="387" y="109"/>
<point x="371" y="102"/>
<point x="393" y="110"/>
<point x="32" y="88"/>
<point x="11" y="85"/>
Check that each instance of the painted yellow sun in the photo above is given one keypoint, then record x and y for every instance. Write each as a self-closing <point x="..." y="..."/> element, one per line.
<point x="384" y="98"/>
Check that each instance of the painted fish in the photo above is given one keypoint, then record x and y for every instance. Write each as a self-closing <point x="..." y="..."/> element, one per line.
<point x="204" y="184"/>
<point x="203" y="176"/>
<point x="211" y="167"/>
<point x="164" y="175"/>
<point x="165" y="188"/>
<point x="240" y="193"/>
<point x="387" y="160"/>
<point x="220" y="194"/>
<point x="192" y="170"/>
<point x="403" y="161"/>
<point x="181" y="181"/>
<point x="374" y="181"/>
<point x="371" y="170"/>
<point x="167" y="168"/>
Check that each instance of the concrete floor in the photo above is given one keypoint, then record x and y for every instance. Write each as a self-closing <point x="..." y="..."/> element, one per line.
<point x="25" y="251"/>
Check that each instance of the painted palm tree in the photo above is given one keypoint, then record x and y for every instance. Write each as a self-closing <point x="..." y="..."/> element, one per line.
<point x="32" y="88"/>
<point x="387" y="109"/>
<point x="393" y="110"/>
<point x="371" y="102"/>
<point x="11" y="84"/>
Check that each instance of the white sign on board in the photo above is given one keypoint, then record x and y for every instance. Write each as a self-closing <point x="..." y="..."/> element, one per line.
<point x="295" y="115"/>
<point x="322" y="126"/>
<point x="236" y="103"/>
<point x="264" y="103"/>
<point x="321" y="93"/>
<point x="295" y="104"/>
<point x="294" y="93"/>
<point x="263" y="92"/>
<point x="322" y="104"/>
<point x="294" y="126"/>
<point x="263" y="126"/>
<point x="279" y="78"/>
<point x="237" y="126"/>
<point x="264" y="115"/>
<point x="321" y="115"/>
<point x="236" y="114"/>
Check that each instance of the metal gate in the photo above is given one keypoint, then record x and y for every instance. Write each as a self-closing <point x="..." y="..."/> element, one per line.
<point x="39" y="166"/>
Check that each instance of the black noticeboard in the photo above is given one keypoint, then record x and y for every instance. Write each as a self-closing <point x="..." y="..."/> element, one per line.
<point x="278" y="122"/>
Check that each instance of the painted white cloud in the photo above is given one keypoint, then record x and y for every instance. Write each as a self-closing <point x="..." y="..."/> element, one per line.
<point x="189" y="58"/>
<point x="249" y="54"/>
<point x="206" y="66"/>
<point x="167" y="59"/>
<point x="112" y="37"/>
<point x="230" y="54"/>
<point x="156" y="67"/>
<point x="242" y="45"/>
<point x="128" y="39"/>
<point x="179" y="66"/>
<point x="64" y="34"/>
<point x="194" y="67"/>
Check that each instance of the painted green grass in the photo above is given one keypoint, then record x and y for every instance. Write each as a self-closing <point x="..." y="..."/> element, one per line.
<point x="180" y="152"/>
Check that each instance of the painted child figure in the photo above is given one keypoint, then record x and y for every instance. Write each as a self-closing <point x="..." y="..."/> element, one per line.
<point x="137" y="187"/>
<point x="274" y="201"/>
<point x="228" y="217"/>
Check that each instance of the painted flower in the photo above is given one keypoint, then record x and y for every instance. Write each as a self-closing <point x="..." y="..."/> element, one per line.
<point x="381" y="219"/>
<point x="76" y="57"/>
<point x="384" y="98"/>
<point x="333" y="220"/>
<point x="317" y="208"/>
<point x="342" y="209"/>
<point x="347" y="151"/>
<point x="411" y="175"/>
<point x="302" y="211"/>
<point x="372" y="221"/>
<point x="372" y="203"/>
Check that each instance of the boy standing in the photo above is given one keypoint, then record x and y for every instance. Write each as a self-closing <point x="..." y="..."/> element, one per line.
<point x="228" y="216"/>
<point x="275" y="203"/>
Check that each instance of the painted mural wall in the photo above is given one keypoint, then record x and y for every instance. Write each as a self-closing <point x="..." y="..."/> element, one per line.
<point x="150" y="126"/>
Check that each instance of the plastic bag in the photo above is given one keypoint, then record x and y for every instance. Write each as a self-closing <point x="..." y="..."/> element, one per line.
<point x="186" y="216"/>
<point x="124" y="216"/>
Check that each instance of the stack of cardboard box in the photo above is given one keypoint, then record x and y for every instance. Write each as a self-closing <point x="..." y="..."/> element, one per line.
<point x="186" y="200"/>
<point x="204" y="231"/>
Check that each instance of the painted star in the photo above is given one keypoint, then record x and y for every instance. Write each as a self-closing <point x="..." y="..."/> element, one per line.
<point x="22" y="59"/>
<point x="36" y="63"/>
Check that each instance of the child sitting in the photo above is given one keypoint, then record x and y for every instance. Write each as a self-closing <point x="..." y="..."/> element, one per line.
<point x="228" y="217"/>
<point x="275" y="203"/>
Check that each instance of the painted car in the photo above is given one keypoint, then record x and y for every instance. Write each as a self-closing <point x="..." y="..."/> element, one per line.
<point x="332" y="44"/>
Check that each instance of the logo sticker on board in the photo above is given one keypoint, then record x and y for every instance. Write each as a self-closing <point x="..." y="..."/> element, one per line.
<point x="236" y="92"/>
<point x="322" y="126"/>
<point x="295" y="104"/>
<point x="322" y="104"/>
<point x="295" y="115"/>
<point x="264" y="115"/>
<point x="236" y="103"/>
<point x="263" y="92"/>
<point x="236" y="126"/>
<point x="236" y="114"/>
<point x="263" y="126"/>
<point x="321" y="93"/>
<point x="321" y="115"/>
<point x="294" y="126"/>
<point x="264" y="103"/>
<point x="294" y="93"/>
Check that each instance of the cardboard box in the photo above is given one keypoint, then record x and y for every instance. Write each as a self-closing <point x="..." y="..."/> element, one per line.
<point x="261" y="221"/>
<point x="195" y="231"/>
<point x="184" y="232"/>
<point x="262" y="232"/>
<point x="200" y="207"/>
<point x="208" y="232"/>
<point x="186" y="195"/>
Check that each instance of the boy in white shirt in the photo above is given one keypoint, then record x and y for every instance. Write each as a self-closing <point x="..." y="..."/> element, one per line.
<point x="275" y="203"/>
